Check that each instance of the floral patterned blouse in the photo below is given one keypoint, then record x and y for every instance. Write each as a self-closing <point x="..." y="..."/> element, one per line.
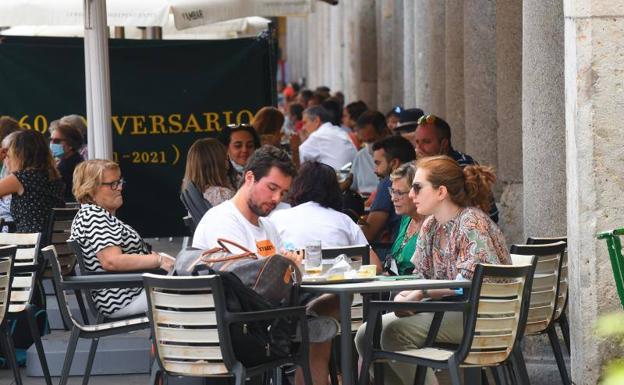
<point x="444" y="251"/>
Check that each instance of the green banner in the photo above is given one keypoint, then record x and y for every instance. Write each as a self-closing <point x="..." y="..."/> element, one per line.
<point x="165" y="95"/>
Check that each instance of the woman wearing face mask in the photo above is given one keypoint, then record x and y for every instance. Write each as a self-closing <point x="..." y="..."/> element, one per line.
<point x="34" y="181"/>
<point x="65" y="144"/>
<point x="241" y="141"/>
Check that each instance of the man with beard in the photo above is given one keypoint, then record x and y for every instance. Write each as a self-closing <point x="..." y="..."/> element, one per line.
<point x="382" y="221"/>
<point x="243" y="219"/>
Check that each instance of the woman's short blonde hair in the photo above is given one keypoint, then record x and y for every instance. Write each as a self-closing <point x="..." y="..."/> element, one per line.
<point x="88" y="177"/>
<point x="407" y="171"/>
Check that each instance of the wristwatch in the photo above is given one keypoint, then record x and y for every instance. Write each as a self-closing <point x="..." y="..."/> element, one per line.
<point x="425" y="293"/>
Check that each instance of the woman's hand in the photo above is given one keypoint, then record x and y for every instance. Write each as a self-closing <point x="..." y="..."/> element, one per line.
<point x="407" y="296"/>
<point x="296" y="256"/>
<point x="167" y="262"/>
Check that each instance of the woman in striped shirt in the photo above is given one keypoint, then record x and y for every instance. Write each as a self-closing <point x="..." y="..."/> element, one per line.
<point x="107" y="243"/>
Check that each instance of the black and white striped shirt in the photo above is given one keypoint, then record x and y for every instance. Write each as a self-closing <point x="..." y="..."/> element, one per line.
<point x="94" y="229"/>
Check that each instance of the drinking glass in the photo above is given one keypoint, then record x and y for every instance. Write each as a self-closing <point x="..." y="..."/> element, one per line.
<point x="313" y="262"/>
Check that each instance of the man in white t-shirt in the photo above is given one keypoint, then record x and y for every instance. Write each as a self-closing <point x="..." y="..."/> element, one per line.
<point x="326" y="143"/>
<point x="243" y="219"/>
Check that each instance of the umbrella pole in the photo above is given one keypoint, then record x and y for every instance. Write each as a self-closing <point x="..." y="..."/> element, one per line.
<point x="97" y="76"/>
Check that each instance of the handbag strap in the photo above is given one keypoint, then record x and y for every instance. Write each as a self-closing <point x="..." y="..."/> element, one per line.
<point x="223" y="241"/>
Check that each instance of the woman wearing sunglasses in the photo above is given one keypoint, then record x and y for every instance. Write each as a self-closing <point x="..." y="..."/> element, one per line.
<point x="457" y="234"/>
<point x="107" y="243"/>
<point x="33" y="181"/>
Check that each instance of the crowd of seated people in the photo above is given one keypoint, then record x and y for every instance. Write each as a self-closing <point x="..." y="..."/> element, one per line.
<point x="426" y="202"/>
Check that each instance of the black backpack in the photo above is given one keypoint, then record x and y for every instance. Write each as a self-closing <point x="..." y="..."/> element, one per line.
<point x="258" y="342"/>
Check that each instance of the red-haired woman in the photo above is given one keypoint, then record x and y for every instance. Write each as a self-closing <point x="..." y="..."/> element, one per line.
<point x="457" y="235"/>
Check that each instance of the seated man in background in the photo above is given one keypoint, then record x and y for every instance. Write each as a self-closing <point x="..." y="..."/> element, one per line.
<point x="325" y="143"/>
<point x="433" y="137"/>
<point x="370" y="127"/>
<point x="382" y="221"/>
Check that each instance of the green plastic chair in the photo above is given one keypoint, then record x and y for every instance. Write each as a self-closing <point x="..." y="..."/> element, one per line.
<point x="614" y="245"/>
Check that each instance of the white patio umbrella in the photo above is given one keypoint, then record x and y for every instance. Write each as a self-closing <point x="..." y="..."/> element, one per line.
<point x="93" y="14"/>
<point x="236" y="28"/>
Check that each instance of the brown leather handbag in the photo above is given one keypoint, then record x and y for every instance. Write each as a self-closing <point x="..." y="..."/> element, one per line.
<point x="276" y="278"/>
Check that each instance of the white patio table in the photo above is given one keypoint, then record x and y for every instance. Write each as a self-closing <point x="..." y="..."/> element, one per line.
<point x="344" y="291"/>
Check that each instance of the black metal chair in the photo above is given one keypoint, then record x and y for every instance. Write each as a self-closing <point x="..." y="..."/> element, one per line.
<point x="194" y="202"/>
<point x="495" y="313"/>
<point x="561" y="317"/>
<point x="100" y="329"/>
<point x="7" y="254"/>
<point x="191" y="329"/>
<point x="26" y="284"/>
<point x="57" y="233"/>
<point x="544" y="297"/>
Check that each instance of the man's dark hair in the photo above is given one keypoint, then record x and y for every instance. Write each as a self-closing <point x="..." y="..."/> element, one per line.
<point x="332" y="105"/>
<point x="306" y="94"/>
<point x="355" y="109"/>
<point x="316" y="182"/>
<point x="318" y="111"/>
<point x="296" y="110"/>
<point x="266" y="157"/>
<point x="374" y="118"/>
<point x="396" y="147"/>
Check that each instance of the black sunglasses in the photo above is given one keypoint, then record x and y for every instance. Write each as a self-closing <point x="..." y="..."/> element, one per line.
<point x="416" y="186"/>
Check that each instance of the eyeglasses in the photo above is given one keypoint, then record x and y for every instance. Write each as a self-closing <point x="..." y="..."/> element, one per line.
<point x="427" y="119"/>
<point x="57" y="141"/>
<point x="114" y="185"/>
<point x="241" y="125"/>
<point x="417" y="187"/>
<point x="397" y="193"/>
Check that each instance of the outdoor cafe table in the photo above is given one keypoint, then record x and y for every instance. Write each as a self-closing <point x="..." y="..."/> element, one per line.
<point x="344" y="291"/>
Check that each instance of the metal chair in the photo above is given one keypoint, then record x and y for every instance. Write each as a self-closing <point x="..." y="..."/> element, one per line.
<point x="26" y="282"/>
<point x="544" y="296"/>
<point x="495" y="313"/>
<point x="100" y="329"/>
<point x="57" y="233"/>
<point x="194" y="202"/>
<point x="561" y="317"/>
<point x="191" y="329"/>
<point x="7" y="254"/>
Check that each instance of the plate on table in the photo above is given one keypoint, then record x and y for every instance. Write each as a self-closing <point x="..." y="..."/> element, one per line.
<point x="325" y="281"/>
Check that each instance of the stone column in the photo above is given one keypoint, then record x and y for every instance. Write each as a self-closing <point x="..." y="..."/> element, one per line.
<point x="409" y="93"/>
<point x="509" y="116"/>
<point x="454" y="69"/>
<point x="296" y="48"/>
<point x="594" y="31"/>
<point x="385" y="50"/>
<point x="397" y="54"/>
<point x="543" y="125"/>
<point x="429" y="50"/>
<point x="366" y="52"/>
<point x="480" y="84"/>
